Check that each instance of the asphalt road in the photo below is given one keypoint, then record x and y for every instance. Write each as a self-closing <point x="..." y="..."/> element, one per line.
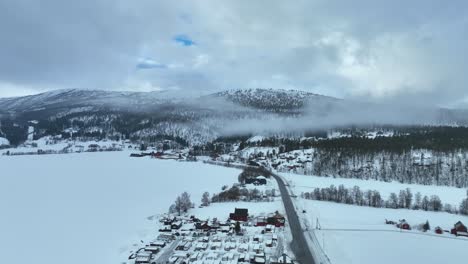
<point x="299" y="243"/>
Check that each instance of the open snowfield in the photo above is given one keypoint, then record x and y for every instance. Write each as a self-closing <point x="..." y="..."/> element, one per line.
<point x="355" y="234"/>
<point x="88" y="207"/>
<point x="307" y="183"/>
<point x="364" y="238"/>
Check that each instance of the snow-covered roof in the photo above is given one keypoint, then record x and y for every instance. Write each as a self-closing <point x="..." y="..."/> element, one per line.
<point x="4" y="141"/>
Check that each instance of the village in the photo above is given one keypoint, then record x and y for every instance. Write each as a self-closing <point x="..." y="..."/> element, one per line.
<point x="240" y="238"/>
<point x="458" y="229"/>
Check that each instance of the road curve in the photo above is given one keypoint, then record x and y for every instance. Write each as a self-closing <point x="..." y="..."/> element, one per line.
<point x="299" y="243"/>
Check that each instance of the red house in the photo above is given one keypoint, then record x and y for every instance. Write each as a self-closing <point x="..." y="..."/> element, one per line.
<point x="459" y="229"/>
<point x="239" y="214"/>
<point x="438" y="230"/>
<point x="260" y="221"/>
<point x="404" y="225"/>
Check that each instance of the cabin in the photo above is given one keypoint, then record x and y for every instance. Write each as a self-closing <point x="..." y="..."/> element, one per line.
<point x="203" y="226"/>
<point x="143" y="257"/>
<point x="438" y="230"/>
<point x="169" y="220"/>
<point x="165" y="229"/>
<point x="239" y="214"/>
<point x="261" y="221"/>
<point x="243" y="248"/>
<point x="459" y="229"/>
<point x="259" y="260"/>
<point x="242" y="258"/>
<point x="277" y="220"/>
<point x="158" y="243"/>
<point x="176" y="225"/>
<point x="157" y="154"/>
<point x="152" y="249"/>
<point x="166" y="237"/>
<point x="285" y="259"/>
<point x="215" y="245"/>
<point x="201" y="246"/>
<point x="260" y="180"/>
<point x="184" y="246"/>
<point x="269" y="228"/>
<point x="404" y="225"/>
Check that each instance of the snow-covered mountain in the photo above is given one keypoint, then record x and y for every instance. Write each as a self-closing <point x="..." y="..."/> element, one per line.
<point x="173" y="114"/>
<point x="274" y="100"/>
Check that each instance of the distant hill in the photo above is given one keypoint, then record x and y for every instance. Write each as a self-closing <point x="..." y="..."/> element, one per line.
<point x="174" y="115"/>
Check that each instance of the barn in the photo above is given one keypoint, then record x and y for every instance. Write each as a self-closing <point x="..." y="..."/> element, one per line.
<point x="459" y="229"/>
<point x="240" y="214"/>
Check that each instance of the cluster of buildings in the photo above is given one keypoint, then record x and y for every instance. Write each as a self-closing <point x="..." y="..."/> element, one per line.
<point x="238" y="239"/>
<point x="459" y="229"/>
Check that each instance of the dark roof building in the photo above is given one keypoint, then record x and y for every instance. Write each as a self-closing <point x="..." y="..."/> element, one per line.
<point x="240" y="214"/>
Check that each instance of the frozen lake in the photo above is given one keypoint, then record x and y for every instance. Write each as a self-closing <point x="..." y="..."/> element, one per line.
<point x="85" y="208"/>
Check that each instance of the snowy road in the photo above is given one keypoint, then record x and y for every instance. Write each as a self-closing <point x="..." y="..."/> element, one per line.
<point x="299" y="244"/>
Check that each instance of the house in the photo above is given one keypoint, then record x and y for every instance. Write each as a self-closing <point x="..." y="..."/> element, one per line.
<point x="276" y="219"/>
<point x="239" y="214"/>
<point x="438" y="230"/>
<point x="459" y="229"/>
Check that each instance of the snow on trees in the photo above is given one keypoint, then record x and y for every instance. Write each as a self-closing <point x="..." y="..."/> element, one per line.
<point x="205" y="201"/>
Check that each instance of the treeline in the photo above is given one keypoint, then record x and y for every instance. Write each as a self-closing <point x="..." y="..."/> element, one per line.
<point x="438" y="138"/>
<point x="372" y="198"/>
<point x="237" y="193"/>
<point x="413" y="166"/>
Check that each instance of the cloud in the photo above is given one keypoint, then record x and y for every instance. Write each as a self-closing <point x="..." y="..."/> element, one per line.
<point x="150" y="64"/>
<point x="365" y="49"/>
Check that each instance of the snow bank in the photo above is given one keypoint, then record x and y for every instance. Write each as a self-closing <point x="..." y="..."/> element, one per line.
<point x="88" y="207"/>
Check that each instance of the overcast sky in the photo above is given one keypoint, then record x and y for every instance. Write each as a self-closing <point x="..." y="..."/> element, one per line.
<point x="404" y="50"/>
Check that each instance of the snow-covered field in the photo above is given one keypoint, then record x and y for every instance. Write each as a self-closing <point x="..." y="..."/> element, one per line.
<point x="88" y="207"/>
<point x="305" y="183"/>
<point x="355" y="234"/>
<point x="381" y="243"/>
